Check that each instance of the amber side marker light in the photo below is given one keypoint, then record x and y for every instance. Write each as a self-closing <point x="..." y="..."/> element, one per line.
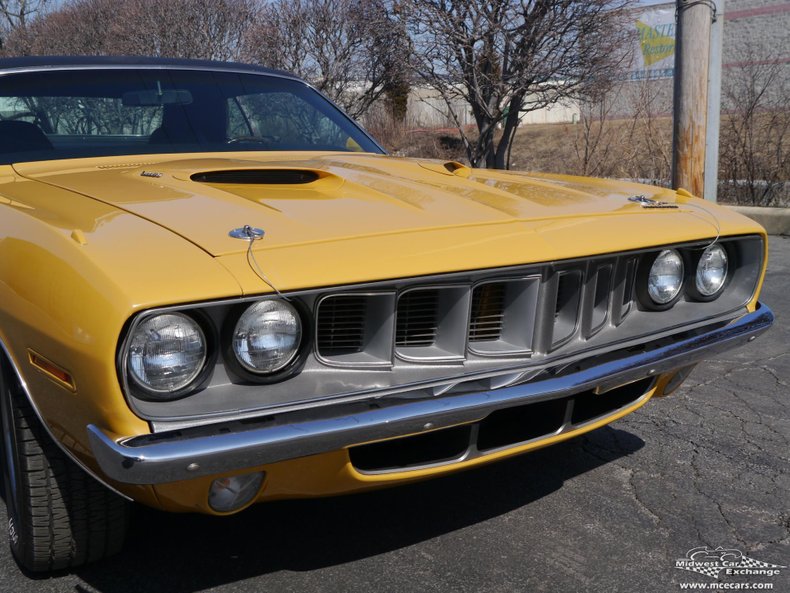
<point x="51" y="370"/>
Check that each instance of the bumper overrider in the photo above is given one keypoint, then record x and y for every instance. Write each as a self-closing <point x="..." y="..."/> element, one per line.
<point x="189" y="453"/>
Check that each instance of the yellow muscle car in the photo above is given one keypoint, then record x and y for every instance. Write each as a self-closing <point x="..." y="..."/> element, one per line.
<point x="216" y="289"/>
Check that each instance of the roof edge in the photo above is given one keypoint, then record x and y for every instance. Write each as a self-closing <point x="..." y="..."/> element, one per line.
<point x="56" y="62"/>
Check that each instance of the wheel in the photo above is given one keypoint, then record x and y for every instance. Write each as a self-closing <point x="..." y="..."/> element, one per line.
<point x="58" y="515"/>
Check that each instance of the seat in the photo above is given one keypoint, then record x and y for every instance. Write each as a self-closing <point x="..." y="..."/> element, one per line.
<point x="22" y="136"/>
<point x="176" y="128"/>
<point x="203" y="121"/>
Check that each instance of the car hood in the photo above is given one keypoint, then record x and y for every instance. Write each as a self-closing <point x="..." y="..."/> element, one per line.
<point x="355" y="218"/>
<point x="334" y="197"/>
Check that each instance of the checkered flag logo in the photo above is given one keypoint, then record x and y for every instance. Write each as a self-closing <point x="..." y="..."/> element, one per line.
<point x="710" y="562"/>
<point x="708" y="571"/>
<point x="747" y="562"/>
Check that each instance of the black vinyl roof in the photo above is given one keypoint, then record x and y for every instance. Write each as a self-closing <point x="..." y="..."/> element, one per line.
<point x="57" y="62"/>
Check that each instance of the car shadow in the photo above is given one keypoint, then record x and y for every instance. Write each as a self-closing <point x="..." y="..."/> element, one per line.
<point x="187" y="553"/>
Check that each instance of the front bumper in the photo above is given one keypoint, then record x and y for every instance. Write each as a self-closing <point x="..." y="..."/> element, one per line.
<point x="191" y="453"/>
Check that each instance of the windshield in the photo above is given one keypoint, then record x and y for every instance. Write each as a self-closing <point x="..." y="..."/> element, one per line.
<point x="101" y="112"/>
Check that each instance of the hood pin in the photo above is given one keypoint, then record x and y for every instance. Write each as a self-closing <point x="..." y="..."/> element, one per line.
<point x="247" y="233"/>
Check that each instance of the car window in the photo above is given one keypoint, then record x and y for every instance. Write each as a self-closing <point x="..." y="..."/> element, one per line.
<point x="283" y="120"/>
<point x="54" y="114"/>
<point x="97" y="116"/>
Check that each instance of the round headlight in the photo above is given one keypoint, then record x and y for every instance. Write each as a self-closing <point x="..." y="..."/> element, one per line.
<point x="267" y="336"/>
<point x="666" y="277"/>
<point x="711" y="271"/>
<point x="166" y="353"/>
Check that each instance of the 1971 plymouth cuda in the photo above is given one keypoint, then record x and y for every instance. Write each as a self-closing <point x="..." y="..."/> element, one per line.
<point x="216" y="289"/>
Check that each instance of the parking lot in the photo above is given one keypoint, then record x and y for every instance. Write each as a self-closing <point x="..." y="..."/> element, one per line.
<point x="611" y="511"/>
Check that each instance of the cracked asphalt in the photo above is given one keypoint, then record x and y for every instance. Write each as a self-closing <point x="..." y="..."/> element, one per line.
<point x="610" y="511"/>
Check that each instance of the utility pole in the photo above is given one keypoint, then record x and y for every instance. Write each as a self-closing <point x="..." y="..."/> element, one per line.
<point x="689" y="130"/>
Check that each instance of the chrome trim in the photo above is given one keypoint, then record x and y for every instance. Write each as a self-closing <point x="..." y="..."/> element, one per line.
<point x="46" y="427"/>
<point x="177" y="456"/>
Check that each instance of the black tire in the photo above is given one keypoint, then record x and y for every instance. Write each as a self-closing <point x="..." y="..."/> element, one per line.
<point x="58" y="516"/>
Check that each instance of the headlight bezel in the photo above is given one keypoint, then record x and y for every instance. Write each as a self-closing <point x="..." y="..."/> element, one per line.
<point x="643" y="276"/>
<point x="693" y="259"/>
<point x="139" y="390"/>
<point x="294" y="366"/>
<point x="217" y="330"/>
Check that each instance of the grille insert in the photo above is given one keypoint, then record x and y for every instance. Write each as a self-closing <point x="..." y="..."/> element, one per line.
<point x="488" y="312"/>
<point x="599" y="308"/>
<point x="341" y="325"/>
<point x="567" y="287"/>
<point x="628" y="293"/>
<point x="566" y="307"/>
<point x="418" y="312"/>
<point x="544" y="309"/>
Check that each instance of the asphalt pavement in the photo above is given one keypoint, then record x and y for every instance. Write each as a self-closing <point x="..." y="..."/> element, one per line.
<point x="611" y="511"/>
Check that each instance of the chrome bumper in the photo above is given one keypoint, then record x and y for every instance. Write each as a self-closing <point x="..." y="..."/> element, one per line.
<point x="182" y="455"/>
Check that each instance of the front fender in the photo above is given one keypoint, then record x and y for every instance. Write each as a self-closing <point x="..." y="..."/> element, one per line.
<point x="72" y="272"/>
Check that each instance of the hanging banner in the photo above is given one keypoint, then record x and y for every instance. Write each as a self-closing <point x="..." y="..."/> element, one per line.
<point x="655" y="55"/>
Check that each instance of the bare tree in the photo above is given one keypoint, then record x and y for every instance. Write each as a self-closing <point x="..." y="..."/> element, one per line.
<point x="76" y="29"/>
<point x="209" y="29"/>
<point x="343" y="47"/>
<point x="17" y="14"/>
<point x="650" y="134"/>
<point x="507" y="57"/>
<point x="755" y="136"/>
<point x="596" y="142"/>
<point x="625" y="131"/>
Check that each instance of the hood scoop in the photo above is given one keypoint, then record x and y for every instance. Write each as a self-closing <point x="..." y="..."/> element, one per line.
<point x="447" y="168"/>
<point x="258" y="177"/>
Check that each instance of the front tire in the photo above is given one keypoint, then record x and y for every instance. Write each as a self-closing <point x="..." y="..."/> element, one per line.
<point x="58" y="516"/>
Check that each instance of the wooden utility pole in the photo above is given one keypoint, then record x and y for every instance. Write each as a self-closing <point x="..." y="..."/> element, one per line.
<point x="692" y="52"/>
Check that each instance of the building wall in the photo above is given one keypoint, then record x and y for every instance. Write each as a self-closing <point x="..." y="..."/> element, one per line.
<point x="756" y="44"/>
<point x="756" y="40"/>
<point x="427" y="109"/>
<point x="757" y="47"/>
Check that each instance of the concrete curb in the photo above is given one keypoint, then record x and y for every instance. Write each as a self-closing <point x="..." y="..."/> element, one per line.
<point x="775" y="220"/>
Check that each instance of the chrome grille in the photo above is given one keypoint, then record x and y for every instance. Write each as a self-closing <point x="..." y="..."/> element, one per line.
<point x="341" y="325"/>
<point x="418" y="312"/>
<point x="488" y="312"/>
<point x="538" y="311"/>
